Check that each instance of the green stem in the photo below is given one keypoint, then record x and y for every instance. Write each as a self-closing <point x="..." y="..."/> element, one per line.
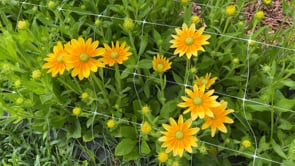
<point x="100" y="86"/>
<point x="226" y="25"/>
<point x="272" y="116"/>
<point x="186" y="75"/>
<point x="163" y="85"/>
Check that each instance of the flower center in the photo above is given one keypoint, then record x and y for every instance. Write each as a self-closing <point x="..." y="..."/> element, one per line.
<point x="179" y="134"/>
<point x="114" y="55"/>
<point x="84" y="57"/>
<point x="197" y="100"/>
<point x="60" y="58"/>
<point x="189" y="41"/>
<point x="204" y="82"/>
<point x="160" y="66"/>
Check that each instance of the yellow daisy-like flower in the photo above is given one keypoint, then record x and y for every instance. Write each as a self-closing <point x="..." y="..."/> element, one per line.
<point x="207" y="80"/>
<point x="82" y="57"/>
<point x="111" y="123"/>
<point x="55" y="61"/>
<point x="76" y="111"/>
<point x="230" y="10"/>
<point x="267" y="2"/>
<point x="195" y="19"/>
<point x="145" y="109"/>
<point x="36" y="74"/>
<point x="163" y="157"/>
<point x="220" y="117"/>
<point x="246" y="143"/>
<point x="161" y="64"/>
<point x="116" y="53"/>
<point x="199" y="103"/>
<point x="146" y="128"/>
<point x="189" y="41"/>
<point x="84" y="95"/>
<point x="259" y="15"/>
<point x="179" y="136"/>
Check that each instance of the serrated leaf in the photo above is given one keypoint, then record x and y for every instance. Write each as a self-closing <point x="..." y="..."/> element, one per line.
<point x="125" y="147"/>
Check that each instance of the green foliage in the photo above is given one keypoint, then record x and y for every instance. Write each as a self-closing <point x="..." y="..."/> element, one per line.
<point x="38" y="126"/>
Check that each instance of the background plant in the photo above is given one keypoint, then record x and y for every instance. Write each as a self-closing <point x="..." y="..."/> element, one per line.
<point x="255" y="71"/>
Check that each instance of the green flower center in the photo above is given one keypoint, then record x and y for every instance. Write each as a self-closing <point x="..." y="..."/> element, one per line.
<point x="84" y="57"/>
<point x="179" y="134"/>
<point x="60" y="58"/>
<point x="204" y="82"/>
<point x="197" y="100"/>
<point x="160" y="66"/>
<point x="114" y="55"/>
<point x="189" y="41"/>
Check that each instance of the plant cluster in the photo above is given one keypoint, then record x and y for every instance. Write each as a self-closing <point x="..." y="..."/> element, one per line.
<point x="144" y="83"/>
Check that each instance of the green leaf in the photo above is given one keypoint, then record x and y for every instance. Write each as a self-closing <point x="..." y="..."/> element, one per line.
<point x="128" y="132"/>
<point x="291" y="152"/>
<point x="168" y="108"/>
<point x="145" y="64"/>
<point x="289" y="83"/>
<point x="278" y="149"/>
<point x="143" y="44"/>
<point x="144" y="147"/>
<point x="177" y="78"/>
<point x="125" y="147"/>
<point x="285" y="125"/>
<point x="287" y="104"/>
<point x="133" y="155"/>
<point x="74" y="130"/>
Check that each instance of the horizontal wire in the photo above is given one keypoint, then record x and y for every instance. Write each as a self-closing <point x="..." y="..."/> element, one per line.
<point x="161" y="24"/>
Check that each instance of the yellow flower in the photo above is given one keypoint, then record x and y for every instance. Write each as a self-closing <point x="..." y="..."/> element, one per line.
<point x="76" y="111"/>
<point x="51" y="4"/>
<point x="236" y="60"/>
<point x="246" y="143"/>
<point x="22" y="24"/>
<point x="259" y="14"/>
<point x="17" y="83"/>
<point x="207" y="81"/>
<point x="230" y="10"/>
<point x="81" y="57"/>
<point x="163" y="157"/>
<point x="251" y="42"/>
<point x="116" y="53"/>
<point x="55" y="61"/>
<point x="145" y="109"/>
<point x="128" y="24"/>
<point x="97" y="22"/>
<point x="161" y="64"/>
<point x="189" y="41"/>
<point x="146" y="128"/>
<point x="84" y="95"/>
<point x="203" y="149"/>
<point x="219" y="118"/>
<point x="199" y="103"/>
<point x="179" y="136"/>
<point x="19" y="100"/>
<point x="36" y="74"/>
<point x="175" y="163"/>
<point x="195" y="19"/>
<point x="111" y="123"/>
<point x="267" y="2"/>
